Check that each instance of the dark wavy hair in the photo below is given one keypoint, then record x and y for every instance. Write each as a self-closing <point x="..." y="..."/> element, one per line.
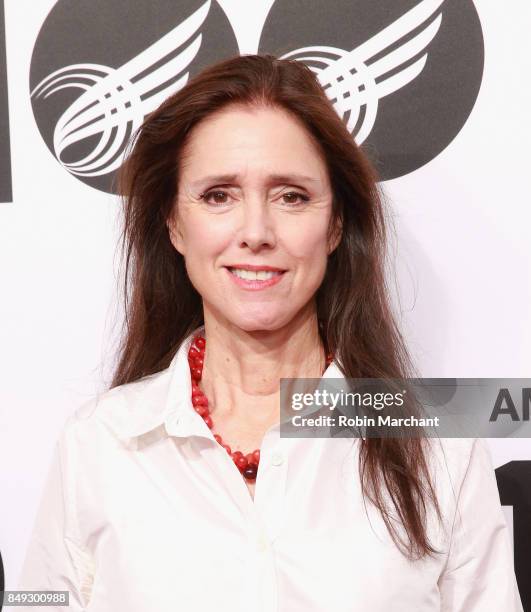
<point x="162" y="307"/>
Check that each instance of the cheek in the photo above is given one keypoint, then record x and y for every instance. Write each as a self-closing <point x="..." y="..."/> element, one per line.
<point x="204" y="240"/>
<point x="309" y="249"/>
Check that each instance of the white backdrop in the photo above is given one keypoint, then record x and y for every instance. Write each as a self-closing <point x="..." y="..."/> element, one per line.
<point x="463" y="257"/>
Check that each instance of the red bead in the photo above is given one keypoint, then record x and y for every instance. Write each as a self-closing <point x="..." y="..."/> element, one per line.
<point x="193" y="352"/>
<point x="250" y="471"/>
<point x="200" y="342"/>
<point x="196" y="373"/>
<point x="236" y="454"/>
<point x="202" y="410"/>
<point x="256" y="456"/>
<point x="227" y="448"/>
<point x="241" y="463"/>
<point x="250" y="458"/>
<point x="208" y="421"/>
<point x="199" y="400"/>
<point x="217" y="437"/>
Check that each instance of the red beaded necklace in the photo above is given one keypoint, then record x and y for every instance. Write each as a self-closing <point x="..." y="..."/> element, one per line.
<point x="247" y="464"/>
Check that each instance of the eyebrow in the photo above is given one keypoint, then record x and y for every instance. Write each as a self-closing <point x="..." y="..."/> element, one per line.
<point x="272" y="178"/>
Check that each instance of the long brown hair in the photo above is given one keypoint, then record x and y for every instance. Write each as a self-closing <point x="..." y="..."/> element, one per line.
<point x="162" y="307"/>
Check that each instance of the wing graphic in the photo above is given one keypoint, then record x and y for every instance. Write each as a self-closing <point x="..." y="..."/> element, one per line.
<point x="114" y="102"/>
<point x="356" y="80"/>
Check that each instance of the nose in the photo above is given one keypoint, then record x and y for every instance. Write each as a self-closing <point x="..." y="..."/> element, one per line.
<point x="256" y="228"/>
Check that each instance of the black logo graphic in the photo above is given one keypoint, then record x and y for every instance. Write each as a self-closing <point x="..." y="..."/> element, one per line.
<point x="404" y="75"/>
<point x="514" y="485"/>
<point x="6" y="192"/>
<point x="98" y="68"/>
<point x="2" y="583"/>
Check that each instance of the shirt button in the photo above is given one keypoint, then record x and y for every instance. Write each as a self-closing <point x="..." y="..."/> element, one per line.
<point x="277" y="458"/>
<point x="262" y="543"/>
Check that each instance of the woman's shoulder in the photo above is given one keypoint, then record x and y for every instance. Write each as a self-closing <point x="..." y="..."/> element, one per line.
<point x="455" y="461"/>
<point x="121" y="409"/>
<point x="453" y="454"/>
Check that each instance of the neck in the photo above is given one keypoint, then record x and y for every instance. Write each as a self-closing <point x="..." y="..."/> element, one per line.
<point x="242" y="369"/>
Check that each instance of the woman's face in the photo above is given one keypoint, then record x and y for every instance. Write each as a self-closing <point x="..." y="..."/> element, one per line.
<point x="253" y="193"/>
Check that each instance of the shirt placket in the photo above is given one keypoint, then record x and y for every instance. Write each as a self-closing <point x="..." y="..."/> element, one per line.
<point x="262" y="516"/>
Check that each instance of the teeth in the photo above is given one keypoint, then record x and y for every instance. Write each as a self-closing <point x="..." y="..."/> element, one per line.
<point x="254" y="275"/>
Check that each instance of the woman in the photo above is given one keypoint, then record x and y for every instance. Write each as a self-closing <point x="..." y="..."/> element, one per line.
<point x="254" y="241"/>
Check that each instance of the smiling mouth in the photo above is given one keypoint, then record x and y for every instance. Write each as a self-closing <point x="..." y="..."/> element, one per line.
<point x="255" y="275"/>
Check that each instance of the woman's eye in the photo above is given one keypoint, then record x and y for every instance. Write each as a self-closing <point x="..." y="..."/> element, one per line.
<point x="292" y="198"/>
<point x="218" y="197"/>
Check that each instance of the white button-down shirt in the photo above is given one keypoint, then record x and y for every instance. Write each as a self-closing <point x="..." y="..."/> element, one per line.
<point x="143" y="511"/>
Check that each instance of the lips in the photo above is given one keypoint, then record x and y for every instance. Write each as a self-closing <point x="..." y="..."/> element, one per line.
<point x="270" y="277"/>
<point x="255" y="268"/>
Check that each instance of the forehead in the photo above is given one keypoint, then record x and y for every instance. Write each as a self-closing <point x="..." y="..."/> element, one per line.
<point x="262" y="138"/>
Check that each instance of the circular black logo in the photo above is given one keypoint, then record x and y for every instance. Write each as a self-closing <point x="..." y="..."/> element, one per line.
<point x="2" y="583"/>
<point x="99" y="67"/>
<point x="404" y="75"/>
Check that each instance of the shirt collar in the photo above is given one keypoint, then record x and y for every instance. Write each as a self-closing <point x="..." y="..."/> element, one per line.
<point x="164" y="399"/>
<point x="160" y="399"/>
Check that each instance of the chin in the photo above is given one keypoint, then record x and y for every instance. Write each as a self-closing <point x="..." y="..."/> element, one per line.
<point x="260" y="323"/>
